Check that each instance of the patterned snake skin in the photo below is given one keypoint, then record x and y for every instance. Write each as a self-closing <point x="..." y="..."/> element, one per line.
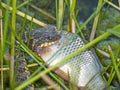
<point x="22" y="72"/>
<point x="53" y="45"/>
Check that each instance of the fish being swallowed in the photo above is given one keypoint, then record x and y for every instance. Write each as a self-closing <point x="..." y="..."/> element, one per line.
<point x="53" y="45"/>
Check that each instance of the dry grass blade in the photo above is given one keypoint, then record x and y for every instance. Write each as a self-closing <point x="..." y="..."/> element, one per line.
<point x="50" y="82"/>
<point x="49" y="88"/>
<point x="119" y="2"/>
<point x="29" y="65"/>
<point x="43" y="12"/>
<point x="113" y="5"/>
<point x="1" y="46"/>
<point x="23" y="15"/>
<point x="103" y="53"/>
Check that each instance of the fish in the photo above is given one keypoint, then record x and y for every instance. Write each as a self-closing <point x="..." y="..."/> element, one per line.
<point x="82" y="70"/>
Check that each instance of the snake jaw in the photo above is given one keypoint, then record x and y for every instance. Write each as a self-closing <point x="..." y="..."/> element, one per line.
<point x="43" y="49"/>
<point x="46" y="44"/>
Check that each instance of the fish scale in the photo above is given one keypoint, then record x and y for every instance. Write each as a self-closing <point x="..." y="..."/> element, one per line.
<point x="83" y="66"/>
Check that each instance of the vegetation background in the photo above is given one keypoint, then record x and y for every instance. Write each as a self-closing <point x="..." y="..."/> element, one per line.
<point x="93" y="20"/>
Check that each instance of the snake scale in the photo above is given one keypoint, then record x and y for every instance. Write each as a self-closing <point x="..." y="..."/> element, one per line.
<point x="53" y="45"/>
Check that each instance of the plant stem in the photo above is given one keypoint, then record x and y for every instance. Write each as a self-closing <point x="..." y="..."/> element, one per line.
<point x="71" y="13"/>
<point x="3" y="39"/>
<point x="88" y="20"/>
<point x="113" y="5"/>
<point x="1" y="48"/>
<point x="59" y="13"/>
<point x="95" y="21"/>
<point x="42" y="12"/>
<point x="23" y="4"/>
<point x="23" y="15"/>
<point x="12" y="45"/>
<point x="114" y="62"/>
<point x="119" y="2"/>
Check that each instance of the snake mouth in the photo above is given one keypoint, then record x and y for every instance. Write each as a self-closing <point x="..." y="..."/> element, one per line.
<point x="44" y="48"/>
<point x="46" y="44"/>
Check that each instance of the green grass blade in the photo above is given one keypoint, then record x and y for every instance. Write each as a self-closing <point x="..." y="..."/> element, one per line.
<point x="114" y="62"/>
<point x="24" y="21"/>
<point x="67" y="3"/>
<point x="42" y="12"/>
<point x="31" y="23"/>
<point x="73" y="5"/>
<point x="3" y="32"/>
<point x="59" y="13"/>
<point x="113" y="5"/>
<point x="78" y="26"/>
<point x="24" y="3"/>
<point x="111" y="76"/>
<point x="117" y="52"/>
<point x="71" y="13"/>
<point x="1" y="52"/>
<point x="12" y="53"/>
<point x="89" y="19"/>
<point x="95" y="23"/>
<point x="115" y="32"/>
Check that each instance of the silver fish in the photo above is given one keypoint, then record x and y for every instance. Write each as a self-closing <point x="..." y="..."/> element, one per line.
<point x="83" y="68"/>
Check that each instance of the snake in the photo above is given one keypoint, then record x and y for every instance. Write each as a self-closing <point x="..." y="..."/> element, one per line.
<point x="53" y="45"/>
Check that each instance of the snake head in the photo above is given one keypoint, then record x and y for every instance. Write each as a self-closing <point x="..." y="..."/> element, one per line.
<point x="42" y="38"/>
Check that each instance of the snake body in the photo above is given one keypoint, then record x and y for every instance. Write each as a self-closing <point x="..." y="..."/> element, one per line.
<point x="22" y="72"/>
<point x="54" y="45"/>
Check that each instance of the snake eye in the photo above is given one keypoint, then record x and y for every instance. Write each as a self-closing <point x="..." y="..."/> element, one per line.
<point x="50" y="38"/>
<point x="57" y="37"/>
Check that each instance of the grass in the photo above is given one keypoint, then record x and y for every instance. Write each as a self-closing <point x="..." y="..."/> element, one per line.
<point x="12" y="52"/>
<point x="72" y="23"/>
<point x="1" y="53"/>
<point x="114" y="63"/>
<point x="23" y="15"/>
<point x="100" y="2"/>
<point x="3" y="36"/>
<point x="59" y="13"/>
